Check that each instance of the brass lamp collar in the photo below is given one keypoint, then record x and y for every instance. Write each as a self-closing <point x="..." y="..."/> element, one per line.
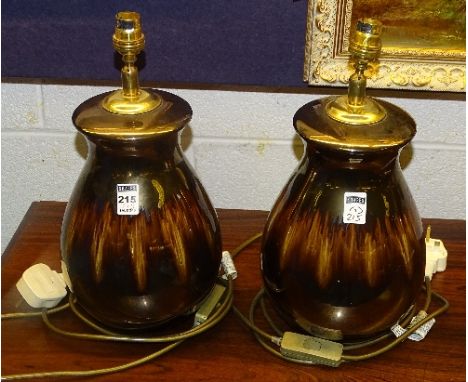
<point x="356" y="108"/>
<point x="129" y="40"/>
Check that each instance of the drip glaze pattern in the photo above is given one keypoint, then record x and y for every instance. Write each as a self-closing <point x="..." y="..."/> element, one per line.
<point x="341" y="280"/>
<point x="138" y="271"/>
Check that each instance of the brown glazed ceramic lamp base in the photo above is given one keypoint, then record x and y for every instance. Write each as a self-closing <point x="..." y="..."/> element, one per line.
<point x="343" y="250"/>
<point x="140" y="239"/>
<point x="335" y="279"/>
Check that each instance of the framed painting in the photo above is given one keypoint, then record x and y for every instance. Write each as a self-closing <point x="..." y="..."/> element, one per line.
<point x="423" y="43"/>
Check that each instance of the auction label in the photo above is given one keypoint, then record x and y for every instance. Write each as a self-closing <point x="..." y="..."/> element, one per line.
<point x="355" y="207"/>
<point x="128" y="201"/>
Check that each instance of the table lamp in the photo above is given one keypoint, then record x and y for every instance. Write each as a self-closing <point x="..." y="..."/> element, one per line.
<point x="140" y="239"/>
<point x="343" y="249"/>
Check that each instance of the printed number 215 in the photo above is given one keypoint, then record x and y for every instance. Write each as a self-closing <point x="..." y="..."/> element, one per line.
<point x="127" y="199"/>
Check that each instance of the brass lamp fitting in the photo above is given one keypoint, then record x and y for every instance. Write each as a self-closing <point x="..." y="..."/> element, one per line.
<point x="129" y="41"/>
<point x="356" y="107"/>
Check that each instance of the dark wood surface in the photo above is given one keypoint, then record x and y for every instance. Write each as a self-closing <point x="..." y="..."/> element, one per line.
<point x="228" y="352"/>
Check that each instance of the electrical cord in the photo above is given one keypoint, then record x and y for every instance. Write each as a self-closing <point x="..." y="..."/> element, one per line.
<point x="92" y="373"/>
<point x="212" y="321"/>
<point x="12" y="316"/>
<point x="173" y="339"/>
<point x="404" y="323"/>
<point x="409" y="331"/>
<point x="265" y="338"/>
<point x="107" y="335"/>
<point x="260" y="334"/>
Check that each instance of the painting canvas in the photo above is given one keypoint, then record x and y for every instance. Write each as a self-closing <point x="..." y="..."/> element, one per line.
<point x="423" y="43"/>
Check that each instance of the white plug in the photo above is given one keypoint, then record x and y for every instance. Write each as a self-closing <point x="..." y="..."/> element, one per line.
<point x="436" y="255"/>
<point x="41" y="287"/>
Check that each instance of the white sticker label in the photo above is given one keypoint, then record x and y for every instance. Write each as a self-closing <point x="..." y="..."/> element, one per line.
<point x="355" y="207"/>
<point x="420" y="333"/>
<point x="228" y="266"/>
<point x="128" y="201"/>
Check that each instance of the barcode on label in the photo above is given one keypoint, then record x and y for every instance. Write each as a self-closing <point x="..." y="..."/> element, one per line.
<point x="355" y="207"/>
<point x="128" y="201"/>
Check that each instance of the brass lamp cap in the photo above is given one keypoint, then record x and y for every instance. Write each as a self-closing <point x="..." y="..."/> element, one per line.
<point x="128" y="36"/>
<point x="365" y="42"/>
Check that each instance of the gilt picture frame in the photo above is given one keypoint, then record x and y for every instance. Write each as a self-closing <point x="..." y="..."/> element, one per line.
<point x="423" y="43"/>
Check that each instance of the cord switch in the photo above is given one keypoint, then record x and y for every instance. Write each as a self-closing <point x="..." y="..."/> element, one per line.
<point x="209" y="304"/>
<point x="308" y="348"/>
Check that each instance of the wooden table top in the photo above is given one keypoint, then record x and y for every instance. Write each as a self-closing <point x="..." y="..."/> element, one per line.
<point x="229" y="351"/>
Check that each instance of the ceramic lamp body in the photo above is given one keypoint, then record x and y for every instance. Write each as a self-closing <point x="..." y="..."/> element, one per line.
<point x="333" y="273"/>
<point x="140" y="270"/>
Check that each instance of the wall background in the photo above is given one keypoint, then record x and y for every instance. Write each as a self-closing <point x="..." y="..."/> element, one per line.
<point x="241" y="143"/>
<point x="246" y="42"/>
<point x="239" y="64"/>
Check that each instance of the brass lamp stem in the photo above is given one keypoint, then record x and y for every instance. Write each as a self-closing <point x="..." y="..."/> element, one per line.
<point x="357" y="108"/>
<point x="130" y="83"/>
<point x="129" y="41"/>
<point x="357" y="85"/>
